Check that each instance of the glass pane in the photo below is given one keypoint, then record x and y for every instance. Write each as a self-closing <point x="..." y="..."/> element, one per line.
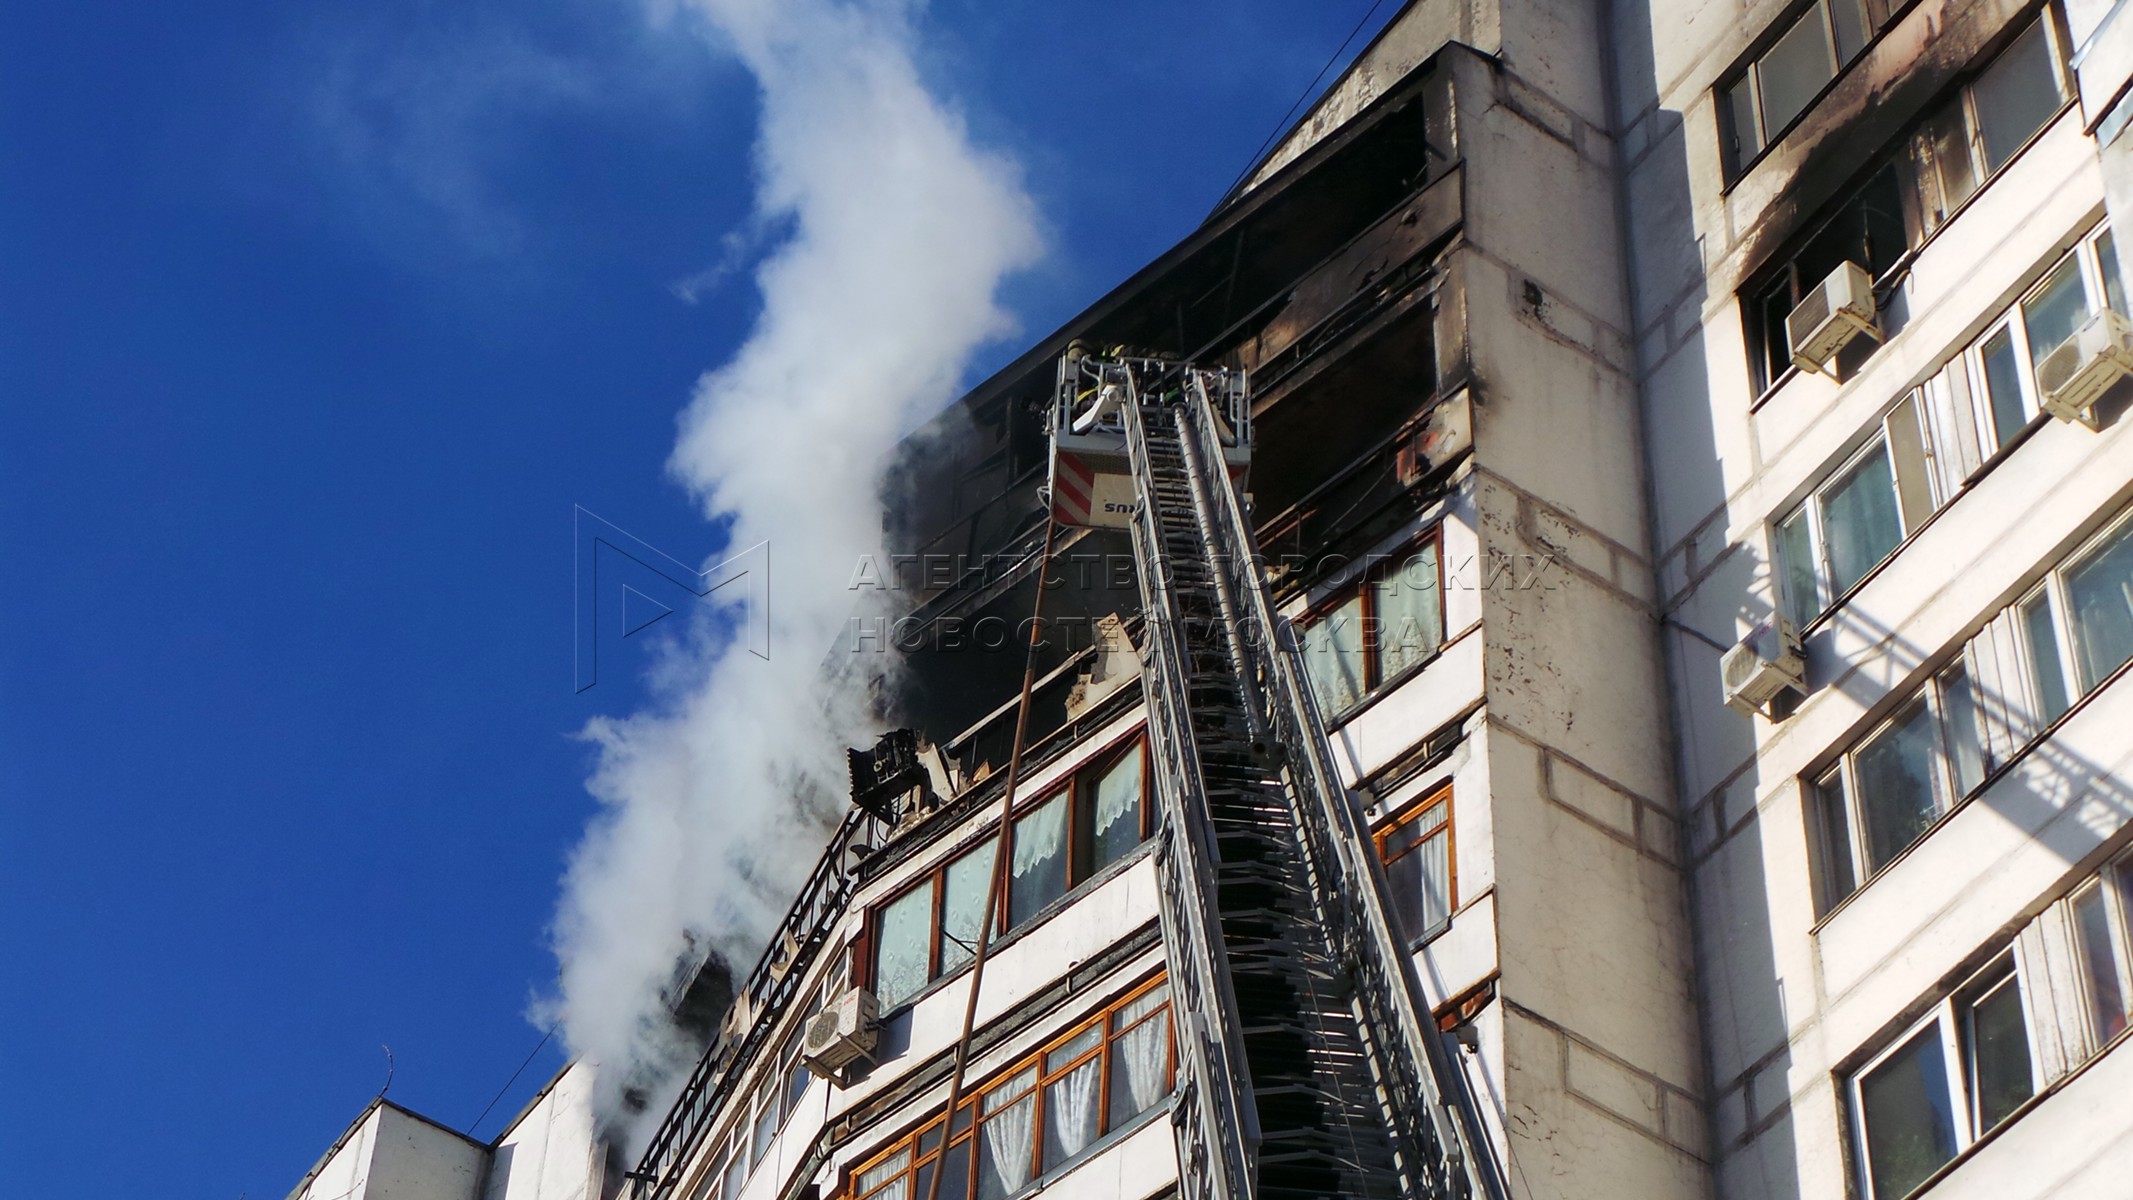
<point x="1999" y="1053"/>
<point x="2114" y="284"/>
<point x="1860" y="521"/>
<point x="2003" y="387"/>
<point x="1419" y="872"/>
<point x="1333" y="654"/>
<point x="1410" y="612"/>
<point x="1907" y="448"/>
<point x="1769" y="314"/>
<point x="1946" y="138"/>
<point x="1040" y="863"/>
<point x="2016" y="95"/>
<point x="2056" y="310"/>
<point x="955" y="1181"/>
<point x="1849" y="18"/>
<point x="1842" y="878"/>
<point x="1796" y="69"/>
<point x="1141" y="1005"/>
<point x="2100" y="591"/>
<point x="901" y="959"/>
<point x="1118" y="811"/>
<point x="1796" y="564"/>
<point x="1910" y="1121"/>
<point x="1072" y="1107"/>
<point x="1006" y="1146"/>
<point x="1965" y="737"/>
<point x="2099" y="964"/>
<point x="1074" y="1047"/>
<point x="708" y="1188"/>
<point x="1740" y="109"/>
<point x="2041" y="632"/>
<point x="1895" y="774"/>
<point x="967" y="882"/>
<point x="766" y="1124"/>
<point x="1140" y="1062"/>
<point x="796" y="1087"/>
<point x="887" y="1171"/>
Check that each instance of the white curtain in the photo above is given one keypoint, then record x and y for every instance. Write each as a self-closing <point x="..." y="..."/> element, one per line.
<point x="1040" y="859"/>
<point x="1435" y="853"/>
<point x="1139" y="1059"/>
<point x="1070" y="1112"/>
<point x="1006" y="1138"/>
<point x="1118" y="809"/>
<point x="1333" y="655"/>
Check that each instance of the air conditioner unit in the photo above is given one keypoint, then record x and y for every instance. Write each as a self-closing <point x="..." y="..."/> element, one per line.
<point x="841" y="1034"/>
<point x="1835" y="311"/>
<point x="2084" y="366"/>
<point x="1763" y="666"/>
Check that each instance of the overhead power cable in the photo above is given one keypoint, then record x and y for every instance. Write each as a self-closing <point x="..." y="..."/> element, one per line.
<point x="1306" y="94"/>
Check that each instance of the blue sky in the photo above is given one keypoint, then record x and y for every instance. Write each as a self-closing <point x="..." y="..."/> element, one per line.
<point x="315" y="322"/>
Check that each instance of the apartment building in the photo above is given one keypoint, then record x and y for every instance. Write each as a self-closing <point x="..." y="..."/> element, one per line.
<point x="1686" y="441"/>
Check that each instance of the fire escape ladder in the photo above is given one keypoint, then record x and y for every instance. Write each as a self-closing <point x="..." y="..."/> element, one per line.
<point x="1306" y="1068"/>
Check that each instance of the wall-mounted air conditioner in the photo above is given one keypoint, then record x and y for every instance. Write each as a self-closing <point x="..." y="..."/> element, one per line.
<point x="2085" y="366"/>
<point x="841" y="1034"/>
<point x="1763" y="666"/>
<point x="1834" y="312"/>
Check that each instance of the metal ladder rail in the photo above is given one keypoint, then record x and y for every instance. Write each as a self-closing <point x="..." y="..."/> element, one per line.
<point x="1333" y="1134"/>
<point x="1216" y="1123"/>
<point x="1416" y="1071"/>
<point x="1328" y="1133"/>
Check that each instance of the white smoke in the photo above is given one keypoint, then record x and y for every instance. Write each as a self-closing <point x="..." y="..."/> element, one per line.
<point x="716" y="800"/>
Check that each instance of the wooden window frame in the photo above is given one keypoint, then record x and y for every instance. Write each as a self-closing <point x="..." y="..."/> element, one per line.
<point x="1441" y="796"/>
<point x="1364" y="585"/>
<point x="971" y="1114"/>
<point x="866" y="948"/>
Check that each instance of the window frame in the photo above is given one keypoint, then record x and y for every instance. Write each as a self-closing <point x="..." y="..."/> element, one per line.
<point x="1078" y="873"/>
<point x="1953" y="1014"/>
<point x="2114" y="885"/>
<point x="2052" y="589"/>
<point x="2095" y="296"/>
<point x="1414" y="810"/>
<point x="1856" y="863"/>
<point x="1740" y="159"/>
<point x="1828" y="598"/>
<point x="973" y="1110"/>
<point x="1364" y="585"/>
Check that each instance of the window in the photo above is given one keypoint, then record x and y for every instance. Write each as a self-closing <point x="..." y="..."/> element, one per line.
<point x="1392" y="619"/>
<point x="2077" y="626"/>
<point x="1946" y="1082"/>
<point x="1416" y="848"/>
<point x="2102" y="918"/>
<point x="1979" y="129"/>
<point x="1953" y="153"/>
<point x="1884" y="793"/>
<point x="1857" y="517"/>
<point x="1058" y="843"/>
<point x="2036" y="658"/>
<point x="2003" y="363"/>
<point x="1779" y="85"/>
<point x="1041" y="1113"/>
<point x="1867" y="228"/>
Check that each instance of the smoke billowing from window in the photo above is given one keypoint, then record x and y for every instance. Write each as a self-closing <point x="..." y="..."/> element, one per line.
<point x="716" y="799"/>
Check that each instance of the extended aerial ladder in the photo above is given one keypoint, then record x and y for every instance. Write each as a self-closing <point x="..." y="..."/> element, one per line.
<point x="1307" y="1065"/>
